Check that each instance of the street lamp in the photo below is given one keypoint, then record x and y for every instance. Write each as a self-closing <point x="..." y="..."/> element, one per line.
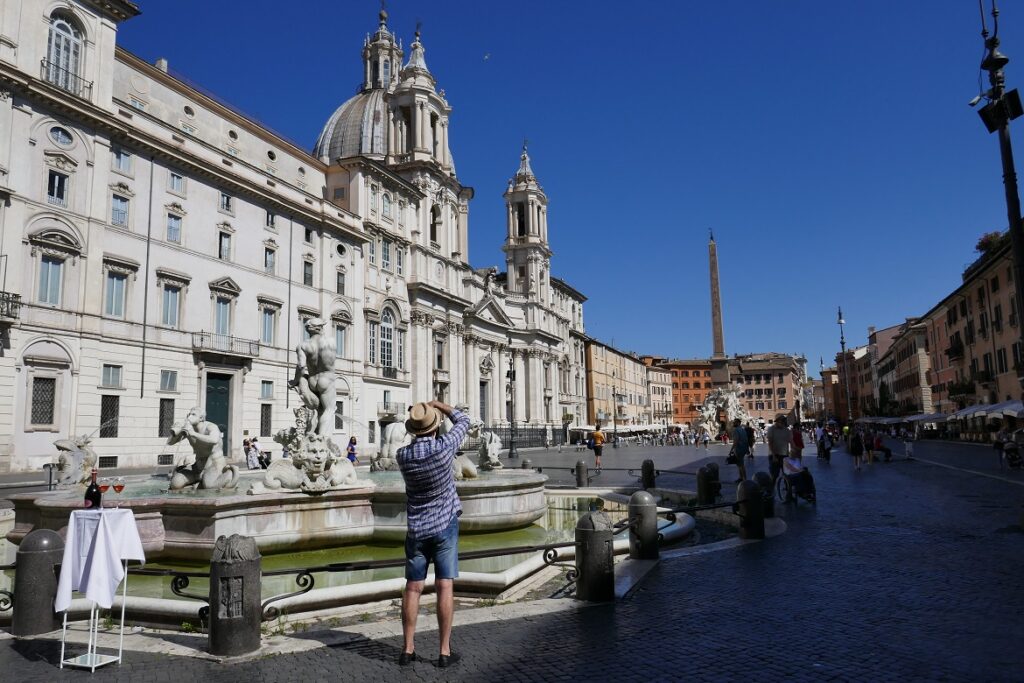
<point x="511" y="374"/>
<point x="615" y="412"/>
<point x="846" y="370"/>
<point x="1003" y="107"/>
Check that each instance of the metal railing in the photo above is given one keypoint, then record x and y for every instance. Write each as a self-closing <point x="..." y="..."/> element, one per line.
<point x="390" y="408"/>
<point x="207" y="341"/>
<point x="10" y="305"/>
<point x="389" y="372"/>
<point x="51" y="72"/>
<point x="6" y="597"/>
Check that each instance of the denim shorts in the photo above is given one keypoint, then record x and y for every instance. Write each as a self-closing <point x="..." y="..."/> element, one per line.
<point x="442" y="550"/>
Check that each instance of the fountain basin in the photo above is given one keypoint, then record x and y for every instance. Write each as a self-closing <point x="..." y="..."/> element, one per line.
<point x="186" y="525"/>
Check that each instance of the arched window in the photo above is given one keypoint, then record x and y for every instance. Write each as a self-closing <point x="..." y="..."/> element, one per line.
<point x="386" y="205"/>
<point x="64" y="53"/>
<point x="387" y="338"/>
<point x="435" y="223"/>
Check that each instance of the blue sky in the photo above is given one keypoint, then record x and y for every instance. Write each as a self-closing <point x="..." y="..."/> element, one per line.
<point x="829" y="145"/>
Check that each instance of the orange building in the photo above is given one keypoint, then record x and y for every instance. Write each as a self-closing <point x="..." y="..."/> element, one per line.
<point x="691" y="383"/>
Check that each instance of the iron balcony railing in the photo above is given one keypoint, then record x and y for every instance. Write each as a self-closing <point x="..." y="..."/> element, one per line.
<point x="389" y="372"/>
<point x="207" y="341"/>
<point x="65" y="80"/>
<point x="390" y="408"/>
<point x="10" y="305"/>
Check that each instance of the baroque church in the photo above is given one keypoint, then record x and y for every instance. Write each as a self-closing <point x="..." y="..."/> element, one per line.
<point x="161" y="250"/>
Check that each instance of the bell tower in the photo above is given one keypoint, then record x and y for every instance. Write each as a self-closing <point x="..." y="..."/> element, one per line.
<point x="382" y="57"/>
<point x="527" y="254"/>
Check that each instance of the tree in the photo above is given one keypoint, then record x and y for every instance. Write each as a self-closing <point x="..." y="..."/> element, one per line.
<point x="988" y="242"/>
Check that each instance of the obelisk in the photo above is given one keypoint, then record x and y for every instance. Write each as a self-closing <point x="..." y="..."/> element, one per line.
<point x="719" y="361"/>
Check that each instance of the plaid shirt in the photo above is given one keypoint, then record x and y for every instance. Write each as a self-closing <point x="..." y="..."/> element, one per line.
<point x="426" y="464"/>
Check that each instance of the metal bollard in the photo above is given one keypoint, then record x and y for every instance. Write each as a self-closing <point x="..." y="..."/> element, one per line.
<point x="235" y="614"/>
<point x="764" y="482"/>
<point x="581" y="474"/>
<point x="748" y="507"/>
<point x="647" y="474"/>
<point x="35" y="583"/>
<point x="595" y="559"/>
<point x="527" y="465"/>
<point x="643" y="535"/>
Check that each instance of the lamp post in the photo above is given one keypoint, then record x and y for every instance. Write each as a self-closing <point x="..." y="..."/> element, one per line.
<point x="846" y="369"/>
<point x="615" y="412"/>
<point x="1003" y="107"/>
<point x="511" y="374"/>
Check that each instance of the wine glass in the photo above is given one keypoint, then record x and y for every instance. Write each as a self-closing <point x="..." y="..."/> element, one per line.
<point x="104" y="485"/>
<point x="119" y="485"/>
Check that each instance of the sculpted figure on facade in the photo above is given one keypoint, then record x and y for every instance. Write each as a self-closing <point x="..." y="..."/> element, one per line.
<point x="210" y="469"/>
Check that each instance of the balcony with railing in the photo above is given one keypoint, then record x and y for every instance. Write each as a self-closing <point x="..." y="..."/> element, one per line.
<point x="51" y="72"/>
<point x="222" y="343"/>
<point x="10" y="306"/>
<point x="955" y="351"/>
<point x="390" y="408"/>
<point x="389" y="372"/>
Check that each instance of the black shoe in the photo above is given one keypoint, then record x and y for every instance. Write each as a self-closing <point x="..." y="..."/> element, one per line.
<point x="406" y="658"/>
<point x="444" y="661"/>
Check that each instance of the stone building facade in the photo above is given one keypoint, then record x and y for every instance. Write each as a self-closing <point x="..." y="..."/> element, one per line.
<point x="772" y="383"/>
<point x="159" y="250"/>
<point x="616" y="386"/>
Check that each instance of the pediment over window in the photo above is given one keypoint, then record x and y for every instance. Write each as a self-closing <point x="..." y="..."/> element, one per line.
<point x="122" y="189"/>
<point x="121" y="264"/>
<point x="54" y="242"/>
<point x="60" y="161"/>
<point x="224" y="226"/>
<point x="176" y="208"/>
<point x="270" y="243"/>
<point x="172" y="277"/>
<point x="268" y="301"/>
<point x="225" y="285"/>
<point x="341" y="316"/>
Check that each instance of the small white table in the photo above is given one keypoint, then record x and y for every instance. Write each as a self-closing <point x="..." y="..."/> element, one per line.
<point x="98" y="546"/>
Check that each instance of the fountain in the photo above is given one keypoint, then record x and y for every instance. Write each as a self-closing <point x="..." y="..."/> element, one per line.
<point x="720" y="408"/>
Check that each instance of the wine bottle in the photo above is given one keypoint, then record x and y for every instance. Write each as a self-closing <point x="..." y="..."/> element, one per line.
<point x="92" y="494"/>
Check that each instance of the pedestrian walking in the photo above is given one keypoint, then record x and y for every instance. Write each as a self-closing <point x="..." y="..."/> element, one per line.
<point x="740" y="448"/>
<point x="706" y="439"/>
<point x="432" y="513"/>
<point x="750" y="439"/>
<point x="856" y="448"/>
<point x="798" y="442"/>
<point x="598" y="437"/>
<point x="779" y="440"/>
<point x="262" y="458"/>
<point x="251" y="460"/>
<point x="350" y="451"/>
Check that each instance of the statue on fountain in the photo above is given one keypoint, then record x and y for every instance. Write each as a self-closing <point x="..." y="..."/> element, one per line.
<point x="210" y="469"/>
<point x="721" y="402"/>
<point x="489" y="449"/>
<point x="75" y="461"/>
<point x="316" y="464"/>
<point x="395" y="436"/>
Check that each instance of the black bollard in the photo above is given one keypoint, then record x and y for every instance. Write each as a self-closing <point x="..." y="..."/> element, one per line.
<point x="235" y="614"/>
<point x="35" y="583"/>
<point x="643" y="535"/>
<point x="647" y="474"/>
<point x="527" y="465"/>
<point x="748" y="507"/>
<point x="716" y="483"/>
<point x="704" y="496"/>
<point x="764" y="482"/>
<point x="581" y="474"/>
<point x="595" y="558"/>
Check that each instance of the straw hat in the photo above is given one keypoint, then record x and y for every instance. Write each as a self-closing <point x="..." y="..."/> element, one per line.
<point x="423" y="419"/>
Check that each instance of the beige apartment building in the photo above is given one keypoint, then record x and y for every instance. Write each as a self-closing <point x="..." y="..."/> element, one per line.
<point x="616" y="386"/>
<point x="771" y="383"/>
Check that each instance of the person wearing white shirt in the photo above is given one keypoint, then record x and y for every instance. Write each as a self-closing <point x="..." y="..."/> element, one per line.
<point x="794" y="470"/>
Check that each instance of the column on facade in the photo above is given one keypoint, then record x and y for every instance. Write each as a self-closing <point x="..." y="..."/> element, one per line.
<point x="471" y="383"/>
<point x="457" y="371"/>
<point x="414" y="123"/>
<point x="521" y="388"/>
<point x="511" y="225"/>
<point x="444" y="143"/>
<point x="424" y="124"/>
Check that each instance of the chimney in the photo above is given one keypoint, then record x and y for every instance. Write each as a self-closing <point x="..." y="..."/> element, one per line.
<point x="161" y="64"/>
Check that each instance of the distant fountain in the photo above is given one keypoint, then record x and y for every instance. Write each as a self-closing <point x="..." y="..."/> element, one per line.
<point x="720" y="408"/>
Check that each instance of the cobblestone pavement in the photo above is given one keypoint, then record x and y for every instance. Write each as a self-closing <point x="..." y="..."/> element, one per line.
<point x="901" y="572"/>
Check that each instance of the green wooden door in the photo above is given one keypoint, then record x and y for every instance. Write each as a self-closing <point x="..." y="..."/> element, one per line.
<point x="218" y="405"/>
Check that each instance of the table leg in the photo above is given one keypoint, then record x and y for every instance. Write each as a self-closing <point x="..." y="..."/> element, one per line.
<point x="124" y="599"/>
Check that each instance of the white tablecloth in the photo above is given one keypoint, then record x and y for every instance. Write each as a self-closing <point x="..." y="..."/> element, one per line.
<point x="97" y="543"/>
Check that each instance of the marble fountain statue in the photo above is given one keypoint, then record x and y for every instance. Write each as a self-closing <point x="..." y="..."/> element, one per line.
<point x="721" y="404"/>
<point x="311" y="500"/>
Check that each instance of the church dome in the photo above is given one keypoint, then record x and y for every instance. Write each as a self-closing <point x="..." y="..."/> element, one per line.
<point x="358" y="127"/>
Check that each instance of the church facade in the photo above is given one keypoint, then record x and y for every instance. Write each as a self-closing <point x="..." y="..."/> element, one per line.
<point x="160" y="250"/>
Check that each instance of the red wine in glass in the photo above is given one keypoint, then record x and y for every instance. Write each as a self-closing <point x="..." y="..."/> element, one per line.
<point x="119" y="485"/>
<point x="104" y="485"/>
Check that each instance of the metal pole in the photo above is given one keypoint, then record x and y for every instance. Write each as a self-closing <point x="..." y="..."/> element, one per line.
<point x="512" y="452"/>
<point x="1000" y="108"/>
<point x="846" y="369"/>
